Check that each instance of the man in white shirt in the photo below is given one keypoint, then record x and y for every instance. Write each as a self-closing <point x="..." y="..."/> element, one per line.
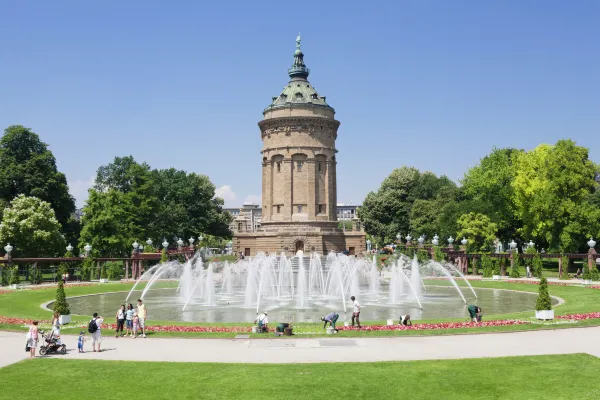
<point x="262" y="320"/>
<point x="96" y="334"/>
<point x="142" y="314"/>
<point x="356" y="312"/>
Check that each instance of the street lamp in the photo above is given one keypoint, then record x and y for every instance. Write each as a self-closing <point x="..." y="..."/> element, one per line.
<point x="399" y="236"/>
<point x="464" y="241"/>
<point x="408" y="237"/>
<point x="530" y="244"/>
<point x="149" y="242"/>
<point x="421" y="239"/>
<point x="69" y="248"/>
<point x="87" y="249"/>
<point x="191" y="240"/>
<point x="165" y="244"/>
<point x="368" y="245"/>
<point x="450" y="240"/>
<point x="136" y="245"/>
<point x="179" y="242"/>
<point x="512" y="245"/>
<point x="8" y="248"/>
<point x="591" y="243"/>
<point x="435" y="240"/>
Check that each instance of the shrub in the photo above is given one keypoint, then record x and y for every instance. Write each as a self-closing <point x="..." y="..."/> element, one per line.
<point x="514" y="271"/>
<point x="486" y="265"/>
<point x="438" y="254"/>
<point x="103" y="271"/>
<point x="543" y="301"/>
<point x="114" y="270"/>
<point x="496" y="267"/>
<point x="14" y="275"/>
<point x="565" y="267"/>
<point x="35" y="274"/>
<point x="590" y="274"/>
<point x="537" y="266"/>
<point x="164" y="257"/>
<point x="87" y="269"/>
<point x="60" y="305"/>
<point x="423" y="256"/>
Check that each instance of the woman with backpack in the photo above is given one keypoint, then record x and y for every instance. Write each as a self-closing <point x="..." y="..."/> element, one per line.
<point x="94" y="328"/>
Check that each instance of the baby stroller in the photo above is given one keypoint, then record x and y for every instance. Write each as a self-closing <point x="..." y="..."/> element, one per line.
<point x="51" y="345"/>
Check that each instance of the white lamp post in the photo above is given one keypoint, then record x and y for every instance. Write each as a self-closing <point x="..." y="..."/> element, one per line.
<point x="399" y="236"/>
<point x="69" y="248"/>
<point x="464" y="241"/>
<point x="591" y="243"/>
<point x="165" y="244"/>
<point x="191" y="240"/>
<point x="149" y="242"/>
<point x="179" y="243"/>
<point x="368" y="245"/>
<point x="512" y="245"/>
<point x="8" y="248"/>
<point x="530" y="244"/>
<point x="136" y="245"/>
<point x="436" y="240"/>
<point x="408" y="237"/>
<point x="450" y="240"/>
<point x="421" y="239"/>
<point x="87" y="249"/>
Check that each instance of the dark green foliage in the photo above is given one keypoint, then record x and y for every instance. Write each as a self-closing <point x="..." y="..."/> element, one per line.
<point x="496" y="266"/>
<point x="514" y="271"/>
<point x="487" y="266"/>
<point x="590" y="274"/>
<point x="423" y="256"/>
<point x="103" y="274"/>
<point x="543" y="301"/>
<point x="537" y="266"/>
<point x="164" y="256"/>
<point x="28" y="167"/>
<point x="87" y="267"/>
<point x="438" y="254"/>
<point x="35" y="274"/>
<point x="115" y="270"/>
<point x="565" y="268"/>
<point x="60" y="305"/>
<point x="14" y="275"/>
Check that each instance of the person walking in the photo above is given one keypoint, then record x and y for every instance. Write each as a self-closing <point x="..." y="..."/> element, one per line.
<point x="129" y="320"/>
<point x="56" y="324"/>
<point x="94" y="327"/>
<point x="32" y="338"/>
<point x="120" y="320"/>
<point x="356" y="312"/>
<point x="142" y="314"/>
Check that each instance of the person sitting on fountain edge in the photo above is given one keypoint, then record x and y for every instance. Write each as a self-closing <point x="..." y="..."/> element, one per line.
<point x="332" y="319"/>
<point x="405" y="320"/>
<point x="474" y="313"/>
<point x="263" y="321"/>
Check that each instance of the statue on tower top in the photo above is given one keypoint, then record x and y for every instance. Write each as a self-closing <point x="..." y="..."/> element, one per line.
<point x="298" y="40"/>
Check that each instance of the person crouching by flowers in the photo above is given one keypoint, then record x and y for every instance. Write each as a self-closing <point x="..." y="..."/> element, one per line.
<point x="32" y="338"/>
<point x="474" y="313"/>
<point x="405" y="320"/>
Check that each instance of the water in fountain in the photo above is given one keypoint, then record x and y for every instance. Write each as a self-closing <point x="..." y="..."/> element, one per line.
<point x="439" y="268"/>
<point x="209" y="291"/>
<point x="415" y="278"/>
<point x="452" y="267"/>
<point x="396" y="286"/>
<point x="374" y="279"/>
<point x="143" y="276"/>
<point x="301" y="291"/>
<point x="316" y="282"/>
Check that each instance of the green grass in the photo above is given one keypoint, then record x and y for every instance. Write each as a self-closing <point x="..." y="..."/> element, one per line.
<point x="540" y="377"/>
<point x="26" y="304"/>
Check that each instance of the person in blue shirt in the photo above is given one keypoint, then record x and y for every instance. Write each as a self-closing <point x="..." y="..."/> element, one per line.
<point x="330" y="318"/>
<point x="80" y="341"/>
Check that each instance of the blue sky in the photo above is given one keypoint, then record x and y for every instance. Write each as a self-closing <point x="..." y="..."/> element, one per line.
<point x="430" y="84"/>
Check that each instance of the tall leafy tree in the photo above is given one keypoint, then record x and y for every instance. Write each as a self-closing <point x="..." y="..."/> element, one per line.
<point x="553" y="186"/>
<point x="388" y="211"/>
<point x="30" y="225"/>
<point x="28" y="167"/>
<point x="479" y="230"/>
<point x="489" y="186"/>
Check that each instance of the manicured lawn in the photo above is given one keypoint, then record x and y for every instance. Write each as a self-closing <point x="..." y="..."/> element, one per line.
<point x="541" y="377"/>
<point x="26" y="304"/>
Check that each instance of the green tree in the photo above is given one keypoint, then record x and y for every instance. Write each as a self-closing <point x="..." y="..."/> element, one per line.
<point x="31" y="226"/>
<point x="388" y="211"/>
<point x="103" y="274"/>
<point x="537" y="266"/>
<point x="487" y="266"/>
<point x="565" y="267"/>
<point x="164" y="257"/>
<point x="28" y="168"/>
<point x="479" y="230"/>
<point x="35" y="274"/>
<point x="489" y="188"/>
<point x="438" y="254"/>
<point x="14" y="275"/>
<point x="552" y="188"/>
<point x="87" y="269"/>
<point x="514" y="271"/>
<point x="60" y="305"/>
<point x="543" y="300"/>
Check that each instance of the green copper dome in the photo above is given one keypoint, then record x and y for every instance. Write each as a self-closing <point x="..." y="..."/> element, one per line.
<point x="298" y="90"/>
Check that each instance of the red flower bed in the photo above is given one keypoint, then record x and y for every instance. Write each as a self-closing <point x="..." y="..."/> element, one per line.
<point x="443" y="325"/>
<point x="579" y="317"/>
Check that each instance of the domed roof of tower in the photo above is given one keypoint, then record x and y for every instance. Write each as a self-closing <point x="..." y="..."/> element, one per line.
<point x="298" y="90"/>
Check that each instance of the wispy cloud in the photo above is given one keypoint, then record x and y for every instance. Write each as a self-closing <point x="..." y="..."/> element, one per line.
<point x="227" y="194"/>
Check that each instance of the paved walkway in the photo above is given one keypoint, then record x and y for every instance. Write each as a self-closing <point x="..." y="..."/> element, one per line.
<point x="338" y="349"/>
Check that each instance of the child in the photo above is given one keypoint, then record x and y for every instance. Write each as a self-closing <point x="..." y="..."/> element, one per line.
<point x="136" y="324"/>
<point x="80" y="341"/>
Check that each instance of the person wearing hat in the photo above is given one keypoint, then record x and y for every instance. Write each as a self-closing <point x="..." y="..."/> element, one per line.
<point x="80" y="341"/>
<point x="263" y="322"/>
<point x="331" y="318"/>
